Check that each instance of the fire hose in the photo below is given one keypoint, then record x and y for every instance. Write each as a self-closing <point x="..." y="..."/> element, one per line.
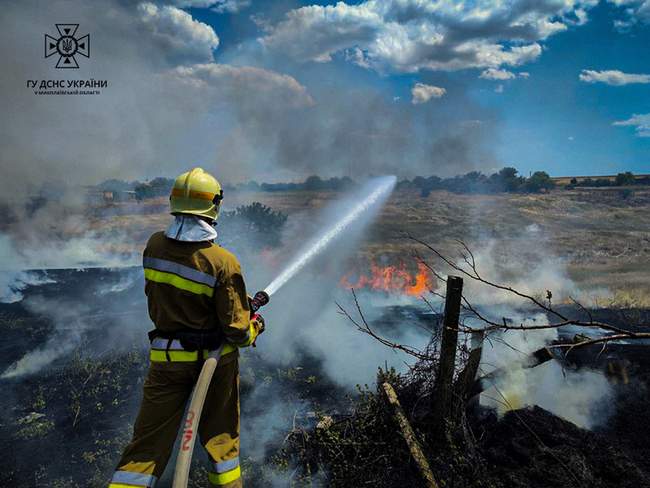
<point x="193" y="416"/>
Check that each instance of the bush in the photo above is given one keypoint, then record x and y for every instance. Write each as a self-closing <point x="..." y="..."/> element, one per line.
<point x="539" y="181"/>
<point x="625" y="179"/>
<point x="256" y="220"/>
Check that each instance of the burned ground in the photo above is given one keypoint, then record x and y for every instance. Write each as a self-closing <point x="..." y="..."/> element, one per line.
<point x="66" y="424"/>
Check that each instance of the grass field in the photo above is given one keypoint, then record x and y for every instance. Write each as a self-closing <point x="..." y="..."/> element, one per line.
<point x="601" y="236"/>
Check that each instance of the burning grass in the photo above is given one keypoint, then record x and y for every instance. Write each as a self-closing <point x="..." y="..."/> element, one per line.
<point x="396" y="279"/>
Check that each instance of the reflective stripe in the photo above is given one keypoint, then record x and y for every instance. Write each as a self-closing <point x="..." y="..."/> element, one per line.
<point x="225" y="478"/>
<point x="160" y="355"/>
<point x="175" y="356"/>
<point x="224" y="466"/>
<point x="180" y="270"/>
<point x="128" y="478"/>
<point x="201" y="195"/>
<point x="228" y="348"/>
<point x="178" y="282"/>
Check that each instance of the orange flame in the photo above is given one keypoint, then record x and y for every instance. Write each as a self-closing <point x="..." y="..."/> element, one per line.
<point x="392" y="279"/>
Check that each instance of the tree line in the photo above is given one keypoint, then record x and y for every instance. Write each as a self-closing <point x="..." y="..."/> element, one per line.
<point x="506" y="180"/>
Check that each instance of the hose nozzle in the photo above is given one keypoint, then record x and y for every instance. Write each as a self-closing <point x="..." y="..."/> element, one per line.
<point x="260" y="299"/>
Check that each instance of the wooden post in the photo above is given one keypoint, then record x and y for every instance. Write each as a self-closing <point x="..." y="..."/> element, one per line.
<point x="443" y="398"/>
<point x="409" y="436"/>
<point x="468" y="374"/>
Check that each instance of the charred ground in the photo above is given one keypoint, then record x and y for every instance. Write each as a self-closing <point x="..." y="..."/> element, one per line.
<point x="66" y="425"/>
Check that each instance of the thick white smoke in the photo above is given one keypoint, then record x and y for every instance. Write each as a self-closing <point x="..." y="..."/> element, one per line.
<point x="578" y="396"/>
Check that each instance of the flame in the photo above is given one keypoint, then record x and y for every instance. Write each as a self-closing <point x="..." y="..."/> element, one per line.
<point x="392" y="279"/>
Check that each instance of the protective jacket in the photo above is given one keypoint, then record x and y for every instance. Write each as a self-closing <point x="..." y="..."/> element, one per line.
<point x="207" y="290"/>
<point x="191" y="287"/>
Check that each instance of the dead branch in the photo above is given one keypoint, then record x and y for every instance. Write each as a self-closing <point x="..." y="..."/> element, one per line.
<point x="363" y="326"/>
<point x="470" y="270"/>
<point x="409" y="436"/>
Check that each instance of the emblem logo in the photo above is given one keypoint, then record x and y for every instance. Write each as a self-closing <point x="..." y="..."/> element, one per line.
<point x="67" y="46"/>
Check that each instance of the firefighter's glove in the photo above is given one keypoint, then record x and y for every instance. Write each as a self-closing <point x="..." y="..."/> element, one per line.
<point x="257" y="326"/>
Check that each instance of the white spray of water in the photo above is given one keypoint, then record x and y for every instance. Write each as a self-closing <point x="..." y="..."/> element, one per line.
<point x="384" y="187"/>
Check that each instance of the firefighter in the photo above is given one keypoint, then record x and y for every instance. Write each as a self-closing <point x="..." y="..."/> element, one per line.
<point x="198" y="303"/>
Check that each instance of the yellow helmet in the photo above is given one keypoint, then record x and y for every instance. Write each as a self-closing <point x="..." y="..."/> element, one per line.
<point x="196" y="193"/>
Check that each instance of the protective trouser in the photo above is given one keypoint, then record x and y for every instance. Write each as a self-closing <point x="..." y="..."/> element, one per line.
<point x="167" y="388"/>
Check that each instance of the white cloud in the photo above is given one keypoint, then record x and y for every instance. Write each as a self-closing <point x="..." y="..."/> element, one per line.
<point x="640" y="122"/>
<point x="189" y="39"/>
<point x="523" y="74"/>
<point x="498" y="89"/>
<point x="219" y="6"/>
<point x="634" y="11"/>
<point x="231" y="6"/>
<point x="244" y="84"/>
<point x="612" y="77"/>
<point x="412" y="35"/>
<point x="497" y="74"/>
<point x="358" y="57"/>
<point x="422" y="93"/>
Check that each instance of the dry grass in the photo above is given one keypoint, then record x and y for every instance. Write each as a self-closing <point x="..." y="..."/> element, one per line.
<point x="603" y="234"/>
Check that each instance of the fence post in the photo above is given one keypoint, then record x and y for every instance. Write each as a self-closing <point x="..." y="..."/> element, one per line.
<point x="443" y="398"/>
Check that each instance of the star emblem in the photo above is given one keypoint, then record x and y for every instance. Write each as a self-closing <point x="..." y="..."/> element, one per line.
<point x="67" y="46"/>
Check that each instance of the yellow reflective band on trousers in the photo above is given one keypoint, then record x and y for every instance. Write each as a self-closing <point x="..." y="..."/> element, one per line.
<point x="178" y="282"/>
<point x="158" y="355"/>
<point x="224" y="478"/>
<point x="132" y="479"/>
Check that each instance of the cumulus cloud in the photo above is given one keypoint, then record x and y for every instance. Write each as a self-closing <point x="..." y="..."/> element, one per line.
<point x="169" y="104"/>
<point x="410" y="35"/>
<point x="640" y="122"/>
<point x="219" y="6"/>
<point x="634" y="11"/>
<point x="149" y="121"/>
<point x="231" y="6"/>
<point x="189" y="39"/>
<point x="422" y="93"/>
<point x="612" y="77"/>
<point x="497" y="74"/>
<point x="244" y="83"/>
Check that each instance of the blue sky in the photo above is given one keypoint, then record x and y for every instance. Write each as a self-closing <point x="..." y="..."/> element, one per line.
<point x="548" y="121"/>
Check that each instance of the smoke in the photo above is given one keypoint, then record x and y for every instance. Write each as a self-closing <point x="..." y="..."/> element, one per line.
<point x="169" y="104"/>
<point x="582" y="396"/>
<point x="67" y="334"/>
<point x="13" y="283"/>
<point x="89" y="301"/>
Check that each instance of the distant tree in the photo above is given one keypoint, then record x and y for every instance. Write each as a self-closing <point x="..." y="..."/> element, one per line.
<point x="251" y="185"/>
<point x="625" y="179"/>
<point x="155" y="188"/>
<point x="313" y="183"/>
<point x="586" y="182"/>
<point x="116" y="185"/>
<point x="539" y="181"/>
<point x="600" y="182"/>
<point x="509" y="180"/>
